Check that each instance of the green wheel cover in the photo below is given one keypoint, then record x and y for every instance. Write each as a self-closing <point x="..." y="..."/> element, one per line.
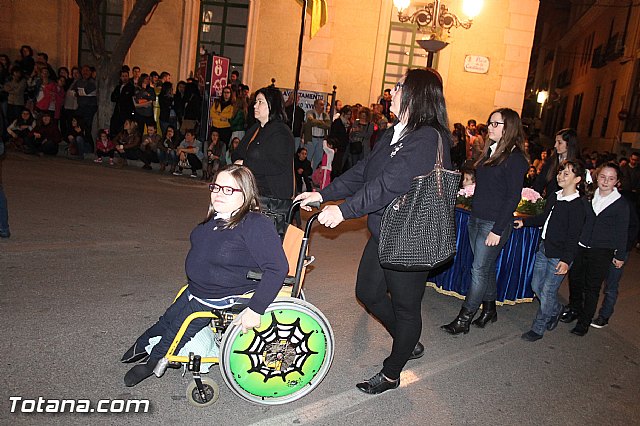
<point x="282" y="360"/>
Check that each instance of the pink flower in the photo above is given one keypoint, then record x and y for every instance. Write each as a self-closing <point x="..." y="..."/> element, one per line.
<point x="467" y="191"/>
<point x="530" y="195"/>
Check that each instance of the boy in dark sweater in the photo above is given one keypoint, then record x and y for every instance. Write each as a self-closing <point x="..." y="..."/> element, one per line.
<point x="561" y="224"/>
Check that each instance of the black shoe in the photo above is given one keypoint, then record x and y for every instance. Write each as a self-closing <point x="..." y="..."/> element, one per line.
<point x="569" y="315"/>
<point x="488" y="314"/>
<point x="418" y="351"/>
<point x="554" y="321"/>
<point x="461" y="323"/>
<point x="599" y="322"/>
<point x="580" y="330"/>
<point x="531" y="336"/>
<point x="378" y="384"/>
<point x="139" y="372"/>
<point x="134" y="354"/>
<point x="146" y="167"/>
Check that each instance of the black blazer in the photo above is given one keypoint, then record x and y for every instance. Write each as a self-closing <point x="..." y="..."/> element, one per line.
<point x="387" y="172"/>
<point x="269" y="157"/>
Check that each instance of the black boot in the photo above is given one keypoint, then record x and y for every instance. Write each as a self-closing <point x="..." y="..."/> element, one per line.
<point x="488" y="314"/>
<point x="461" y="323"/>
<point x="140" y="372"/>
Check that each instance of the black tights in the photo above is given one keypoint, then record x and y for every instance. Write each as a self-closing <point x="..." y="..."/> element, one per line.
<point x="400" y="311"/>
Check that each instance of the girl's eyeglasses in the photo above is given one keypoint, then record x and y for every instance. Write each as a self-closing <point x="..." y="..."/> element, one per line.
<point x="226" y="190"/>
<point x="494" y="124"/>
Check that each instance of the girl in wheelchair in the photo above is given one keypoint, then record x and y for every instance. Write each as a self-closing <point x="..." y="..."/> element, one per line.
<point x="233" y="239"/>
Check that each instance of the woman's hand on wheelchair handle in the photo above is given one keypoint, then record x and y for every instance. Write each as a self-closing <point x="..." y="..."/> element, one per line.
<point x="331" y="216"/>
<point x="308" y="197"/>
<point x="247" y="319"/>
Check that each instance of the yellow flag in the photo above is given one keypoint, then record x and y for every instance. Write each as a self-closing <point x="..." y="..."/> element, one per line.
<point x="318" y="15"/>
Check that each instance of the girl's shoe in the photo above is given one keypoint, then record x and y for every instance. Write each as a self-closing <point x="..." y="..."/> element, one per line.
<point x="110" y="161"/>
<point x="98" y="160"/>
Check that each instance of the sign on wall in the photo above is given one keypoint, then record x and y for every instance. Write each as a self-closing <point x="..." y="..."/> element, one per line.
<point x="476" y="64"/>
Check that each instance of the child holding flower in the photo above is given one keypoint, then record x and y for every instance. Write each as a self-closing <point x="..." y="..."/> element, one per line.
<point x="561" y="224"/>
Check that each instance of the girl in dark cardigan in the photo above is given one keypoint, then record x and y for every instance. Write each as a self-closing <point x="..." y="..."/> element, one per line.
<point x="561" y="224"/>
<point x="603" y="241"/>
<point x="500" y="173"/>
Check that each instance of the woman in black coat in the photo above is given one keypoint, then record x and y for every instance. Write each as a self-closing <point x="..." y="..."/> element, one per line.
<point x="267" y="150"/>
<point x="406" y="150"/>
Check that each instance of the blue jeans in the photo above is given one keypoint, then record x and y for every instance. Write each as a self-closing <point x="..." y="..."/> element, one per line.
<point x="483" y="270"/>
<point x="545" y="284"/>
<point x="168" y="325"/>
<point x="4" y="214"/>
<point x="314" y="151"/>
<point x="611" y="284"/>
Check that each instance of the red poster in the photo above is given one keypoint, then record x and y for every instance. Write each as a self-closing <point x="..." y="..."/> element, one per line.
<point x="219" y="75"/>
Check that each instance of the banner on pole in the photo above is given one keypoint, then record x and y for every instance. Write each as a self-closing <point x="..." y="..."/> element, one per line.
<point x="219" y="75"/>
<point x="307" y="98"/>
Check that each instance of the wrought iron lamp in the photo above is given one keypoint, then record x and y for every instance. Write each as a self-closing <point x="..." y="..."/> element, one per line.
<point x="434" y="19"/>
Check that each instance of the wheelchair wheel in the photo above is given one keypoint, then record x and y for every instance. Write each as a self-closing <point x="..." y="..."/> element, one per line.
<point x="211" y="390"/>
<point x="284" y="359"/>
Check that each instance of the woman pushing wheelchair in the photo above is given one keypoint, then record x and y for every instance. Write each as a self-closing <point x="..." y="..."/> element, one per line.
<point x="233" y="239"/>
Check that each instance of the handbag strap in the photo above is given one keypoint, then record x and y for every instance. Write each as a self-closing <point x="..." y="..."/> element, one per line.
<point x="439" y="153"/>
<point x="438" y="166"/>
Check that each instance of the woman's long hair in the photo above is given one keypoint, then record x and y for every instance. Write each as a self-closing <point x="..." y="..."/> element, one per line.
<point x="512" y="138"/>
<point x="570" y="136"/>
<point x="423" y="103"/>
<point x="275" y="101"/>
<point x="220" y="103"/>
<point x="249" y="187"/>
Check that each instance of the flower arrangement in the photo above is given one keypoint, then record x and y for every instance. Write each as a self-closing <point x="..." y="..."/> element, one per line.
<point x="465" y="196"/>
<point x="531" y="202"/>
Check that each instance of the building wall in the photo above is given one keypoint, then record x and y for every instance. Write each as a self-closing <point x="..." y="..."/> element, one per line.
<point x="503" y="32"/>
<point x="56" y="32"/>
<point x="584" y="79"/>
<point x="350" y="52"/>
<point x="342" y="53"/>
<point x="158" y="44"/>
<point x="53" y="31"/>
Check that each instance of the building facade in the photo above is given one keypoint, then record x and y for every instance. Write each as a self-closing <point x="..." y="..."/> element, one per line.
<point x="362" y="49"/>
<point x="588" y="64"/>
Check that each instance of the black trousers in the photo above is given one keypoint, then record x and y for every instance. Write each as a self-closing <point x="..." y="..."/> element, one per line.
<point x="588" y="271"/>
<point x="394" y="298"/>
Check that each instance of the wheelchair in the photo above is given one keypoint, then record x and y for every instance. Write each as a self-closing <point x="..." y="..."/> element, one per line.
<point x="279" y="362"/>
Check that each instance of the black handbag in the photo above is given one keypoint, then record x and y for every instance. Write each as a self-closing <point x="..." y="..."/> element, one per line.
<point x="418" y="230"/>
<point x="276" y="209"/>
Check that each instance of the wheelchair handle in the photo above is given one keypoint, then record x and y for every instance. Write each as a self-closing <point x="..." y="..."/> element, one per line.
<point x="296" y="206"/>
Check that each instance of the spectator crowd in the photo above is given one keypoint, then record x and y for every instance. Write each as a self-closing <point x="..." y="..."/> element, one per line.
<point x="46" y="112"/>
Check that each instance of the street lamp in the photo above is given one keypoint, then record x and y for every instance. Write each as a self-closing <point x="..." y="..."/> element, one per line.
<point x="433" y="19"/>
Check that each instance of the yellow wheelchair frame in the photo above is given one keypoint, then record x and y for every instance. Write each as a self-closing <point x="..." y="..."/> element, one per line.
<point x="273" y="371"/>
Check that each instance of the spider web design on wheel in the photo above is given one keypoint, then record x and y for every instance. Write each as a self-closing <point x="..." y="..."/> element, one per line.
<point x="278" y="350"/>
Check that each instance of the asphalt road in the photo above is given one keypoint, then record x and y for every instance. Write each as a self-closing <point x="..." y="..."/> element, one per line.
<point x="97" y="254"/>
